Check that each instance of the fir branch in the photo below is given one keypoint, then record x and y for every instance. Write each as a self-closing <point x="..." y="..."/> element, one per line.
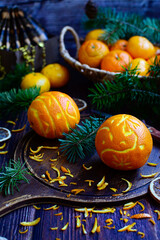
<point x="120" y="25"/>
<point x="14" y="78"/>
<point x="11" y="175"/>
<point x="80" y="142"/>
<point x="14" y="101"/>
<point x="126" y="87"/>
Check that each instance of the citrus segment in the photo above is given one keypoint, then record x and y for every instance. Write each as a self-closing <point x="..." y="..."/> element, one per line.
<point x="130" y="145"/>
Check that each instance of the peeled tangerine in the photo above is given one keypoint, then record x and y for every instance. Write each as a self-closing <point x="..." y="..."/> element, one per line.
<point x="53" y="113"/>
<point x="123" y="142"/>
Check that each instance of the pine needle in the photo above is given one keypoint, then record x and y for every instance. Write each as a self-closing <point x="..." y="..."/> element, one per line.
<point x="14" y="101"/>
<point x="81" y="141"/>
<point x="11" y="175"/>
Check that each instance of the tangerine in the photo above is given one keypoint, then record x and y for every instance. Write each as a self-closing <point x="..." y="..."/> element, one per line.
<point x="120" y="44"/>
<point x="36" y="79"/>
<point x="57" y="74"/>
<point x="116" y="61"/>
<point x="140" y="47"/>
<point x="94" y="34"/>
<point x="123" y="142"/>
<point x="154" y="59"/>
<point x="91" y="52"/>
<point x="141" y="66"/>
<point x="53" y="113"/>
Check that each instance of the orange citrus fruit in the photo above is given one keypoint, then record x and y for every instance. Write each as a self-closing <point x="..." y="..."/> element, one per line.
<point x="53" y="113"/>
<point x="153" y="59"/>
<point x="91" y="52"/>
<point x="140" y="47"/>
<point x="116" y="61"/>
<point x="123" y="142"/>
<point x="57" y="74"/>
<point x="35" y="79"/>
<point x="94" y="34"/>
<point x="141" y="65"/>
<point x="120" y="44"/>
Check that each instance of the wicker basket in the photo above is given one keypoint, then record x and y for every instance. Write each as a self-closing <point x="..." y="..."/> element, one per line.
<point x="95" y="74"/>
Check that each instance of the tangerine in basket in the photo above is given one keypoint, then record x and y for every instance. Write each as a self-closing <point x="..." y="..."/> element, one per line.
<point x="120" y="44"/>
<point x="123" y="142"/>
<point x="94" y="34"/>
<point x="141" y="66"/>
<point x="140" y="47"/>
<point x="53" y="113"/>
<point x="91" y="52"/>
<point x="116" y="61"/>
<point x="35" y="79"/>
<point x="57" y="74"/>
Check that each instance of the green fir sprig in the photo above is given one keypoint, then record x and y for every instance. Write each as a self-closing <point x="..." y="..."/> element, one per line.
<point x="11" y="175"/>
<point x="81" y="141"/>
<point x="13" y="78"/>
<point x="16" y="100"/>
<point x="120" y="25"/>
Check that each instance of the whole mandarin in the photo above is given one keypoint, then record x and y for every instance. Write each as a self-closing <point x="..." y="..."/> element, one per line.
<point x="123" y="142"/>
<point x="141" y="66"/>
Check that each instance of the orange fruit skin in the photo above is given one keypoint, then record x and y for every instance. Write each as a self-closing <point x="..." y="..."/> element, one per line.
<point x="57" y="74"/>
<point x="123" y="142"/>
<point x="152" y="59"/>
<point x="53" y="113"/>
<point x="94" y="34"/>
<point x="115" y="60"/>
<point x="91" y="52"/>
<point x="142" y="66"/>
<point x="35" y="79"/>
<point x="140" y="47"/>
<point x="120" y="44"/>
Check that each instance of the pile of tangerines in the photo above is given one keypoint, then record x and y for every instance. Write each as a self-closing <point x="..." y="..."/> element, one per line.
<point x="137" y="53"/>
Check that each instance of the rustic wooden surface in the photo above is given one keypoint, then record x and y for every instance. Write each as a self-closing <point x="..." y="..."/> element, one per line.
<point x="77" y="87"/>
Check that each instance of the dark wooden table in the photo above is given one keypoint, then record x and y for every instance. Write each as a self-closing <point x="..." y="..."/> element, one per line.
<point x="10" y="223"/>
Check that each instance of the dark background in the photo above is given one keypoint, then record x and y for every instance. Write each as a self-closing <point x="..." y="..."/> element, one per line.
<point x="54" y="15"/>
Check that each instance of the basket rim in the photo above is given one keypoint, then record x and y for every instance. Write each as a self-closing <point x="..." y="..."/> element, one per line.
<point x="74" y="61"/>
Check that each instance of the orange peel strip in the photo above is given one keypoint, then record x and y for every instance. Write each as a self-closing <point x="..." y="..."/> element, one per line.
<point x="68" y="196"/>
<point x="141" y="215"/>
<point x="114" y="189"/>
<point x="85" y="212"/>
<point x="149" y="176"/>
<point x="23" y="232"/>
<point x="3" y="146"/>
<point x="142" y="234"/>
<point x="54" y="207"/>
<point x="94" y="229"/>
<point x="101" y="182"/>
<point x="40" y="147"/>
<point x="48" y="175"/>
<point x="129" y="205"/>
<point x="152" y="164"/>
<point x="83" y="209"/>
<point x="113" y="227"/>
<point x="57" y="170"/>
<point x="10" y="121"/>
<point x="89" y="182"/>
<point x="103" y="186"/>
<point x="98" y="229"/>
<point x="53" y="160"/>
<point x="3" y="152"/>
<point x="76" y="190"/>
<point x="128" y="228"/>
<point x="142" y="206"/>
<point x="19" y="130"/>
<point x="37" y="208"/>
<point x="87" y="168"/>
<point x="64" y="169"/>
<point x="152" y="221"/>
<point x="84" y="230"/>
<point x="129" y="185"/>
<point x="35" y="158"/>
<point x="73" y="183"/>
<point x="65" y="226"/>
<point x="58" y="214"/>
<point x="33" y="223"/>
<point x="54" y="228"/>
<point x="104" y="210"/>
<point x="69" y="174"/>
<point x="158" y="212"/>
<point x="78" y="222"/>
